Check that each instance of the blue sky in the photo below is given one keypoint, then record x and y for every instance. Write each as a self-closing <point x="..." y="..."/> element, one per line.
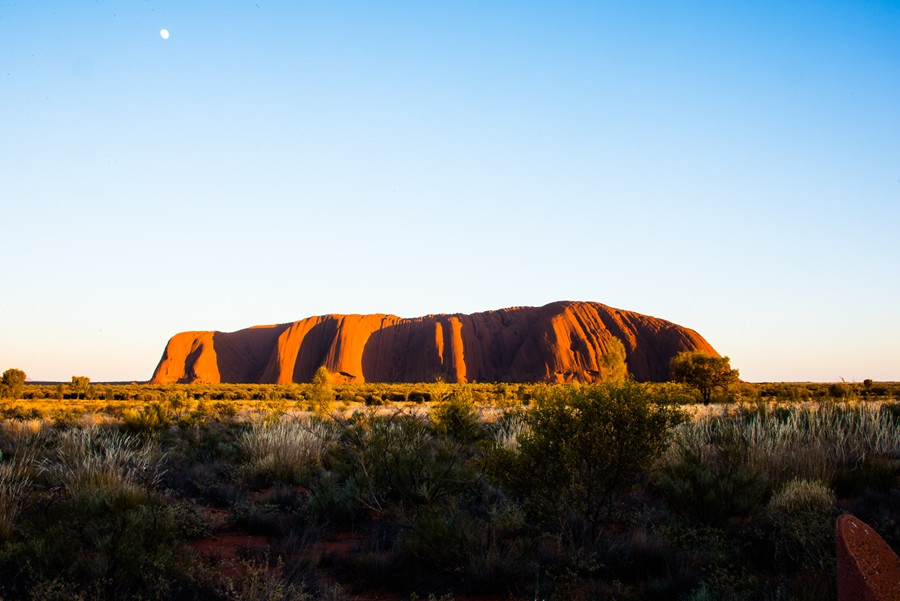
<point x="734" y="169"/>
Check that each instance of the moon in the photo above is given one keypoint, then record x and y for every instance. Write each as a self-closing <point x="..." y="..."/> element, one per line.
<point x="164" y="34"/>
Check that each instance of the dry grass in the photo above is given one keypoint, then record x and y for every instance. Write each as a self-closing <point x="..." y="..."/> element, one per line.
<point x="92" y="457"/>
<point x="287" y="447"/>
<point x="16" y="476"/>
<point x="806" y="440"/>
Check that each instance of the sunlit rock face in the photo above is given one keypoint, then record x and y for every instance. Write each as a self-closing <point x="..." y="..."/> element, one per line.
<point x="560" y="342"/>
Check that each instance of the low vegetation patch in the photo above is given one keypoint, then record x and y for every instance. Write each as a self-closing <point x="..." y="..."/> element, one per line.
<point x="417" y="491"/>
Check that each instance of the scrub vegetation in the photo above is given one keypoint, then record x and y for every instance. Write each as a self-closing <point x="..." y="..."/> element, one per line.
<point x="445" y="491"/>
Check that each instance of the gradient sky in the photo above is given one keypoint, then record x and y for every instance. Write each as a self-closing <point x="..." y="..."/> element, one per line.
<point x="731" y="167"/>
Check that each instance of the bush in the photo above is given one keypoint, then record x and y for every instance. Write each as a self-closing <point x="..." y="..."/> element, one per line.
<point x="457" y="419"/>
<point x="837" y="391"/>
<point x="373" y="400"/>
<point x="322" y="393"/>
<point x="711" y="475"/>
<point x="149" y="419"/>
<point x="583" y="444"/>
<point x="258" y="581"/>
<point x="418" y="397"/>
<point x="395" y="461"/>
<point x="104" y="524"/>
<point x="12" y="383"/>
<point x="803" y="514"/>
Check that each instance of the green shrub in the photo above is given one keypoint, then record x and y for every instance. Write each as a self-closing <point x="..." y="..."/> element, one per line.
<point x="188" y="518"/>
<point x="803" y="514"/>
<point x="395" y="460"/>
<point x="838" y="391"/>
<point x="447" y="542"/>
<point x="253" y="580"/>
<point x="154" y="417"/>
<point x="396" y="397"/>
<point x="321" y="393"/>
<point x="337" y="500"/>
<point x="457" y="419"/>
<point x="583" y="444"/>
<point x="225" y="410"/>
<point x="711" y="475"/>
<point x="105" y="524"/>
<point x="373" y="400"/>
<point x="418" y="397"/>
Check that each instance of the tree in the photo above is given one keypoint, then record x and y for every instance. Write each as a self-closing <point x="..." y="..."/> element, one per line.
<point x="702" y="371"/>
<point x="613" y="367"/>
<point x="322" y="392"/>
<point x="80" y="385"/>
<point x="13" y="383"/>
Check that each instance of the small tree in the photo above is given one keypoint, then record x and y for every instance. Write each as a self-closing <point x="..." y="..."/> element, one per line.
<point x="13" y="383"/>
<point x="81" y="385"/>
<point x="702" y="371"/>
<point x="613" y="368"/>
<point x="322" y="392"/>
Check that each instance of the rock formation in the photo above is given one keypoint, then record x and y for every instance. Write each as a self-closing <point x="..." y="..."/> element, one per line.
<point x="559" y="342"/>
<point x="867" y="568"/>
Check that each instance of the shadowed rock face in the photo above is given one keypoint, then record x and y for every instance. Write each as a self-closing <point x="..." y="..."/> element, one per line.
<point x="559" y="342"/>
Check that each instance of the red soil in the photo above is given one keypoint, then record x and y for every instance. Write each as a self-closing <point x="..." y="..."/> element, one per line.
<point x="229" y="546"/>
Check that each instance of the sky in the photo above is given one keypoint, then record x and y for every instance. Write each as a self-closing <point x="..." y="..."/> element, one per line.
<point x="731" y="167"/>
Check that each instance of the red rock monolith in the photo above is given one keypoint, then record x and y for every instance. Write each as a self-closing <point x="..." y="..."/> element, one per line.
<point x="559" y="342"/>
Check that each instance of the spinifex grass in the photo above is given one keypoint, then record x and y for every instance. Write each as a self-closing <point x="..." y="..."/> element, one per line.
<point x="93" y="455"/>
<point x="15" y="482"/>
<point x="285" y="449"/>
<point x="810" y="442"/>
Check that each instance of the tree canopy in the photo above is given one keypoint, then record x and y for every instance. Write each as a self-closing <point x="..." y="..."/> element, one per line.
<point x="322" y="391"/>
<point x="702" y="371"/>
<point x="614" y="369"/>
<point x="13" y="382"/>
<point x="81" y="385"/>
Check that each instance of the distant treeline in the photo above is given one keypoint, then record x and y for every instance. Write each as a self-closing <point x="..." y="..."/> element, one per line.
<point x="376" y="394"/>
